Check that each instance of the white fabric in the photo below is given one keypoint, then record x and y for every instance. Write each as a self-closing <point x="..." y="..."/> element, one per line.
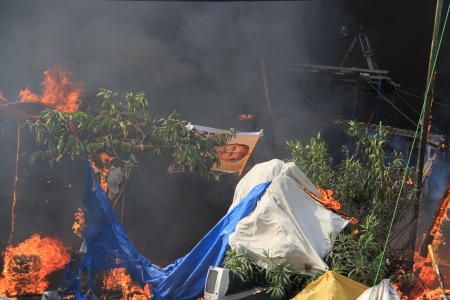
<point x="382" y="291"/>
<point x="114" y="180"/>
<point x="267" y="171"/>
<point x="286" y="223"/>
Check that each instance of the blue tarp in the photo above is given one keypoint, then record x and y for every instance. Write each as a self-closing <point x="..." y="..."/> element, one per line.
<point x="108" y="246"/>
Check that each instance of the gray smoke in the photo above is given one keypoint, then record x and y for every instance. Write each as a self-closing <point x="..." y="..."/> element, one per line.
<point x="202" y="60"/>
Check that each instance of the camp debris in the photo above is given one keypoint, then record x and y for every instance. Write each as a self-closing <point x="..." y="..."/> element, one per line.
<point x="270" y="213"/>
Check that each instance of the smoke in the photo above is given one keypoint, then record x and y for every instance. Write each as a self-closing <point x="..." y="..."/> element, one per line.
<point x="202" y="60"/>
<point x="187" y="56"/>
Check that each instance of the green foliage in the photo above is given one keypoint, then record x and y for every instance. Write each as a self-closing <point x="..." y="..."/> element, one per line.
<point x="367" y="181"/>
<point x="243" y="267"/>
<point x="279" y="276"/>
<point x="122" y="127"/>
<point x="313" y="159"/>
<point x="358" y="254"/>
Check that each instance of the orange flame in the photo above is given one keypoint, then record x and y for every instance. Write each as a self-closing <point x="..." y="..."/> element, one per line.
<point x="78" y="225"/>
<point x="427" y="285"/>
<point x="105" y="158"/>
<point x="409" y="180"/>
<point x="58" y="91"/>
<point x="245" y="117"/>
<point x="27" y="264"/>
<point x="119" y="282"/>
<point x="328" y="200"/>
<point x="103" y="170"/>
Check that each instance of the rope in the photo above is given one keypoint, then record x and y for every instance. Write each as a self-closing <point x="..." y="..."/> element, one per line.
<point x="391" y="223"/>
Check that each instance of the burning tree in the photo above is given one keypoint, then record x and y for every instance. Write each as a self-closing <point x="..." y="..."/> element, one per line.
<point x="117" y="132"/>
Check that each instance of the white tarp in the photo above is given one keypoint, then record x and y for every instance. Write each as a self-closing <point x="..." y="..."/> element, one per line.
<point x="287" y="223"/>
<point x="382" y="291"/>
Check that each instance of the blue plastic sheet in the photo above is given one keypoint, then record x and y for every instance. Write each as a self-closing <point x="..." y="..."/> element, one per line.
<point x="108" y="247"/>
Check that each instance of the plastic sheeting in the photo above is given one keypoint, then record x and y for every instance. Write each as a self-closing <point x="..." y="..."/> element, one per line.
<point x="287" y="223"/>
<point x="332" y="286"/>
<point x="108" y="246"/>
<point x="382" y="291"/>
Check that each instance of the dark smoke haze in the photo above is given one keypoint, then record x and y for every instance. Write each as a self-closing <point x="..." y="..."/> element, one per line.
<point x="202" y="60"/>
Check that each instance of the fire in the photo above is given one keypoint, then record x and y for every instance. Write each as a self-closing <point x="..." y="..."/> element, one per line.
<point x="118" y="283"/>
<point x="105" y="158"/>
<point x="78" y="225"/>
<point x="27" y="265"/>
<point x="440" y="216"/>
<point x="103" y="170"/>
<point x="328" y="200"/>
<point x="426" y="277"/>
<point x="409" y="180"/>
<point x="427" y="285"/>
<point x="245" y="117"/>
<point x="58" y="91"/>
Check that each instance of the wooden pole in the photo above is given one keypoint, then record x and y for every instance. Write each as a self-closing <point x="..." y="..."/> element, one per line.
<point x="426" y="113"/>
<point x="270" y="109"/>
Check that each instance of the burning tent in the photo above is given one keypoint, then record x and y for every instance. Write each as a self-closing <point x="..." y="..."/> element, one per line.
<point x="288" y="223"/>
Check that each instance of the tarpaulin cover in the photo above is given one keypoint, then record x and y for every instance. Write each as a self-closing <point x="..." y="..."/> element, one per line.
<point x="287" y="222"/>
<point x="331" y="286"/>
<point x="108" y="246"/>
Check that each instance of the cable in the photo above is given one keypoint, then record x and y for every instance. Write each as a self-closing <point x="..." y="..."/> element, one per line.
<point x="406" y="102"/>
<point x="394" y="213"/>
<point x="442" y="104"/>
<point x="408" y="93"/>
<point x="416" y="112"/>
<point x="392" y="104"/>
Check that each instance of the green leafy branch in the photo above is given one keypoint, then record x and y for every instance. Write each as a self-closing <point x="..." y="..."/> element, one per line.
<point x="122" y="127"/>
<point x="278" y="276"/>
<point x="367" y="182"/>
